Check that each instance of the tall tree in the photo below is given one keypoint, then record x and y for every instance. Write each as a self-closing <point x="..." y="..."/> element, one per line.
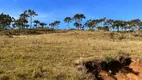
<point x="31" y="13"/>
<point x="109" y="23"/>
<point x="20" y="23"/>
<point x="95" y="23"/>
<point x="52" y="25"/>
<point x="24" y="19"/>
<point x="68" y="20"/>
<point x="78" y="18"/>
<point x="135" y="24"/>
<point x="5" y="21"/>
<point x="77" y="25"/>
<point x="43" y="25"/>
<point x="36" y="23"/>
<point x="57" y="23"/>
<point x="117" y="24"/>
<point x="140" y="26"/>
<point x="102" y="21"/>
<point x="91" y="24"/>
<point x="88" y="24"/>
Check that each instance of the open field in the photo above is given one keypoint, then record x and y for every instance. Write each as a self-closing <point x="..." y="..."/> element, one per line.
<point x="52" y="56"/>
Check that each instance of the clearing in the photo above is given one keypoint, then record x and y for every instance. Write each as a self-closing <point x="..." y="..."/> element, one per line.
<point x="53" y="56"/>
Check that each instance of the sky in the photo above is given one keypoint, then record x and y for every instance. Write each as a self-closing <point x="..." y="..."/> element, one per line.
<point x="51" y="10"/>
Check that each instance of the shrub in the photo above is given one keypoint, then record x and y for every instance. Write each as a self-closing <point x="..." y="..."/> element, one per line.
<point x="91" y="30"/>
<point x="122" y="37"/>
<point x="71" y="29"/>
<point x="109" y="58"/>
<point x="111" y="35"/>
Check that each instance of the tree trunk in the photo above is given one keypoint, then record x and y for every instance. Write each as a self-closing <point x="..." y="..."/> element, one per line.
<point x="68" y="26"/>
<point x="31" y="22"/>
<point x="117" y="28"/>
<point x="36" y="26"/>
<point x="57" y="27"/>
<point x="125" y="29"/>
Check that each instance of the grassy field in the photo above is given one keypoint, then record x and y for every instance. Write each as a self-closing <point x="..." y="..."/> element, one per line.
<point x="52" y="56"/>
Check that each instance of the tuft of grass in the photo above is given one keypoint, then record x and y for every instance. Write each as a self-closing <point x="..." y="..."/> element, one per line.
<point x="122" y="37"/>
<point x="4" y="77"/>
<point x="109" y="58"/>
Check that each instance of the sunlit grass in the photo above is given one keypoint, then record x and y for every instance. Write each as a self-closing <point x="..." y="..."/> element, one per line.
<point x="52" y="56"/>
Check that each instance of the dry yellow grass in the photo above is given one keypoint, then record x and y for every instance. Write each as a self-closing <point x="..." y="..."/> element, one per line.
<point x="52" y="56"/>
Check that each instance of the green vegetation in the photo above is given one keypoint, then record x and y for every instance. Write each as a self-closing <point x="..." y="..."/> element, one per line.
<point x="25" y="21"/>
<point x="53" y="56"/>
<point x="109" y="58"/>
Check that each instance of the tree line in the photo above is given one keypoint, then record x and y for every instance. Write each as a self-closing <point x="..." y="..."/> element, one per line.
<point x="26" y="21"/>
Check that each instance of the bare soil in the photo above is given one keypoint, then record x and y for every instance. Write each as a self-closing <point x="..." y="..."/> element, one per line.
<point x="136" y="65"/>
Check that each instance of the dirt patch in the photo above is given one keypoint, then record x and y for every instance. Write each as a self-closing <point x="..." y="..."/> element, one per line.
<point x="121" y="69"/>
<point x="135" y="66"/>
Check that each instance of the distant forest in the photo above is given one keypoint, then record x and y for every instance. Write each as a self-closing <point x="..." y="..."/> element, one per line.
<point x="26" y="21"/>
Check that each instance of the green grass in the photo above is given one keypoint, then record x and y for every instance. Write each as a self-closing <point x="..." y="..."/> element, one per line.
<point x="52" y="56"/>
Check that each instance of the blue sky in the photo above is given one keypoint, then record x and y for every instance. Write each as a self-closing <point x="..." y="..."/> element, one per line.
<point x="50" y="10"/>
